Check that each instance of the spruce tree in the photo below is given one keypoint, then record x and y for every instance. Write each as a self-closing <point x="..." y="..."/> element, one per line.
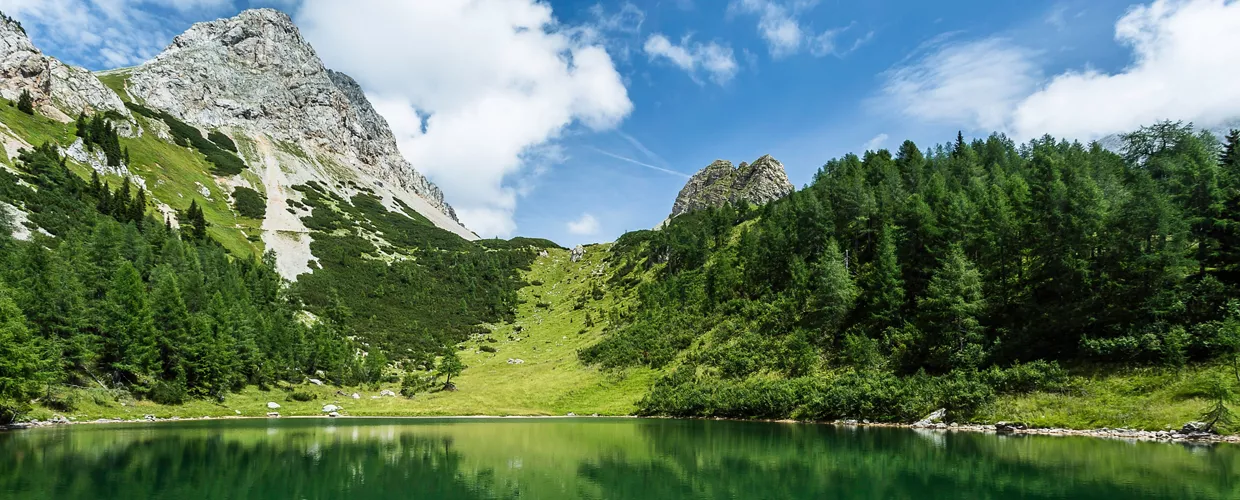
<point x="881" y="285"/>
<point x="22" y="363"/>
<point x="170" y="313"/>
<point x="950" y="312"/>
<point x="130" y="340"/>
<point x="25" y="102"/>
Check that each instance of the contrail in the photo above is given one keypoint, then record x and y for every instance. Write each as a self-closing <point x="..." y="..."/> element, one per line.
<point x="635" y="162"/>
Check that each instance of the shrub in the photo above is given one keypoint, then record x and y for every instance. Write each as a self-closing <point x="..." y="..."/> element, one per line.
<point x="223" y="141"/>
<point x="487" y="348"/>
<point x="303" y="396"/>
<point x="250" y="203"/>
<point x="25" y="103"/>
<point x="167" y="393"/>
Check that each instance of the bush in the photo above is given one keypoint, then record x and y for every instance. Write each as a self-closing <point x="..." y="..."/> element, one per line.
<point x="487" y="348"/>
<point x="250" y="203"/>
<point x="63" y="400"/>
<point x="223" y="141"/>
<point x="167" y="393"/>
<point x="303" y="396"/>
<point x="25" y="103"/>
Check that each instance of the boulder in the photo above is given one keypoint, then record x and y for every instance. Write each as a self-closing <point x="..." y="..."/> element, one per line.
<point x="579" y="252"/>
<point x="331" y="408"/>
<point x="58" y="419"/>
<point x="1008" y="427"/>
<point x="933" y="418"/>
<point x="333" y="414"/>
<point x="273" y="414"/>
<point x="272" y="405"/>
<point x="1195" y="427"/>
<point x="543" y="253"/>
<point x="356" y="396"/>
<point x="387" y="393"/>
<point x="316" y="381"/>
<point x="148" y="418"/>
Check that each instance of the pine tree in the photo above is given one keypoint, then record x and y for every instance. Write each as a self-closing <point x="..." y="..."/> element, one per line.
<point x="950" y="312"/>
<point x="23" y="366"/>
<point x="25" y="102"/>
<point x="170" y="313"/>
<point x="137" y="210"/>
<point x="130" y="341"/>
<point x="81" y="127"/>
<point x="450" y="366"/>
<point x="881" y="285"/>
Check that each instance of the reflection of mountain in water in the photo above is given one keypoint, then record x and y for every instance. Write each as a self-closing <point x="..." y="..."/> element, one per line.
<point x="589" y="458"/>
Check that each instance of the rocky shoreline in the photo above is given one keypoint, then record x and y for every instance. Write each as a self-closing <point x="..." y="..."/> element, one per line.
<point x="1191" y="433"/>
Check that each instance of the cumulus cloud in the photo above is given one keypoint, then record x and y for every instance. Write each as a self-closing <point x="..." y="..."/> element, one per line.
<point x="586" y="225"/>
<point x="1185" y="65"/>
<point x="780" y="25"/>
<point x="711" y="58"/>
<point x="475" y="90"/>
<point x="876" y="142"/>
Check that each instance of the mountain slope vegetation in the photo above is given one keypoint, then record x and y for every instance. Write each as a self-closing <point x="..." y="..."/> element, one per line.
<point x="899" y="283"/>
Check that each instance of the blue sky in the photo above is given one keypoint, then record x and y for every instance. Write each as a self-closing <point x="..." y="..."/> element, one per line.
<point x="802" y="80"/>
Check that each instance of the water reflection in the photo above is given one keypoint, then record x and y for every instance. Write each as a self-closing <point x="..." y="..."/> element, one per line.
<point x="589" y="458"/>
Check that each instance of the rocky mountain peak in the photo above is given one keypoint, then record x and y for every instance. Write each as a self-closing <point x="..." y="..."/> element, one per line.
<point x="60" y="91"/>
<point x="255" y="76"/>
<point x="759" y="183"/>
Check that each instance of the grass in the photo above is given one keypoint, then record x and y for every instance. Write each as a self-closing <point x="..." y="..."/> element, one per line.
<point x="1149" y="398"/>
<point x="36" y="129"/>
<point x="551" y="381"/>
<point x="116" y="80"/>
<point x="173" y="174"/>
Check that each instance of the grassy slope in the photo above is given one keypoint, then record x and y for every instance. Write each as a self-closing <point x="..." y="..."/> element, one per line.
<point x="550" y="382"/>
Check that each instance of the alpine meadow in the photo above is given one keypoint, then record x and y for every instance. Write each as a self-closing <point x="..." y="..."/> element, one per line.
<point x="205" y="234"/>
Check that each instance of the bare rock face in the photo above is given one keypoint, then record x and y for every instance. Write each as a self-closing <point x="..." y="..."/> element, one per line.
<point x="60" y="91"/>
<point x="720" y="183"/>
<point x="256" y="75"/>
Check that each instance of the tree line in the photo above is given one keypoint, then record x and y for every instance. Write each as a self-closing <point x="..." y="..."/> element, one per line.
<point x="105" y="295"/>
<point x="963" y="266"/>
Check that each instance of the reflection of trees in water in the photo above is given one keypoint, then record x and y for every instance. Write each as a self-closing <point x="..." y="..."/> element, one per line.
<point x="660" y="459"/>
<point x="703" y="459"/>
<point x="296" y="465"/>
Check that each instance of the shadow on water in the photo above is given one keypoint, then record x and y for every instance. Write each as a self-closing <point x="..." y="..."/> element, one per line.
<point x="590" y="458"/>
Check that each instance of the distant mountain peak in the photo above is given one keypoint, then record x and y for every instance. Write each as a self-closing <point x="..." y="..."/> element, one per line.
<point x="759" y="183"/>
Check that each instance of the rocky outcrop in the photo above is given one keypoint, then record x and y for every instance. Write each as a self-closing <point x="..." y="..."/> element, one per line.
<point x="759" y="183"/>
<point x="255" y="74"/>
<point x="60" y="91"/>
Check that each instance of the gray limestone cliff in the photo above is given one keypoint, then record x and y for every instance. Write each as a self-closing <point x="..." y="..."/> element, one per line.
<point x="720" y="183"/>
<point x="60" y="91"/>
<point x="255" y="75"/>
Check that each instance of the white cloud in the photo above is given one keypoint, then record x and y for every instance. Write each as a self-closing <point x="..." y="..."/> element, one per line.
<point x="475" y="90"/>
<point x="1186" y="65"/>
<point x="976" y="83"/>
<point x="586" y="225"/>
<point x="876" y="142"/>
<point x="1186" y="62"/>
<point x="780" y="25"/>
<point x="714" y="59"/>
<point x="105" y="33"/>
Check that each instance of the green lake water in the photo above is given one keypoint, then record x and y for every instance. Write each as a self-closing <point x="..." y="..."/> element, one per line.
<point x="363" y="459"/>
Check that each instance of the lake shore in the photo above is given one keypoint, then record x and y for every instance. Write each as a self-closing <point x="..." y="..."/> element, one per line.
<point x="1001" y="428"/>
